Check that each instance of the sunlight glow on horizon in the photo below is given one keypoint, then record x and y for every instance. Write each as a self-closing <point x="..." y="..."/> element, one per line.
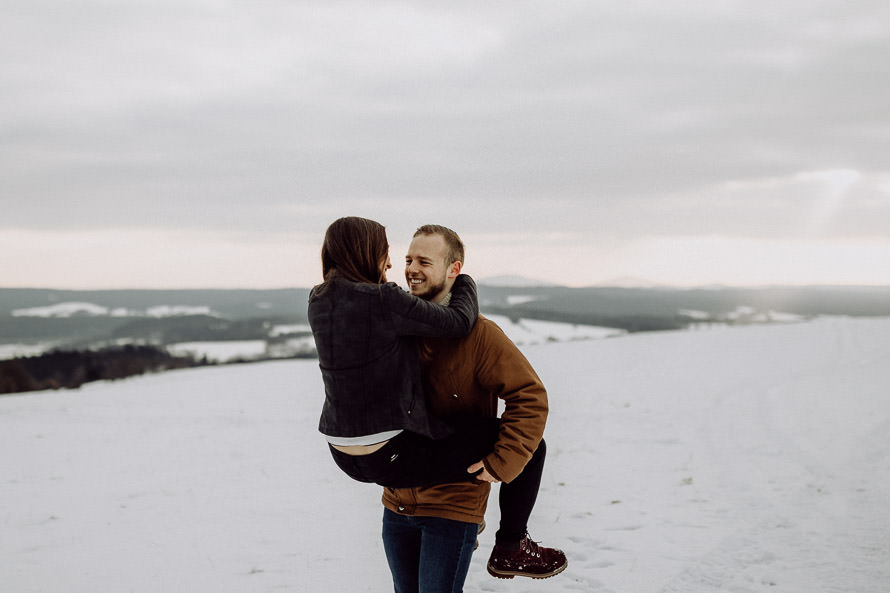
<point x="145" y="259"/>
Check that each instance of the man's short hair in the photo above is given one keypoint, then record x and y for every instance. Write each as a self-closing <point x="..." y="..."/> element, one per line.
<point x="452" y="241"/>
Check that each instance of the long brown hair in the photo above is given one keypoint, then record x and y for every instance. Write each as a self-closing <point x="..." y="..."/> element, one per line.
<point x="355" y="248"/>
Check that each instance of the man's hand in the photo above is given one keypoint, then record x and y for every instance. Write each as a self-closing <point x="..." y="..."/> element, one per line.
<point x="483" y="475"/>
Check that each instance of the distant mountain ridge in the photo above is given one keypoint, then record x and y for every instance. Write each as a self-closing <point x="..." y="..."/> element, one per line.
<point x="35" y="319"/>
<point x="631" y="282"/>
<point x="224" y="302"/>
<point x="512" y="281"/>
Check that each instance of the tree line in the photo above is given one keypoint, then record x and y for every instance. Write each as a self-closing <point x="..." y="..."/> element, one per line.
<point x="70" y="369"/>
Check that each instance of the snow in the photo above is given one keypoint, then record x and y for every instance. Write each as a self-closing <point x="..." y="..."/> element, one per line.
<point x="283" y="330"/>
<point x="62" y="310"/>
<point x="694" y="313"/>
<point x="779" y="317"/>
<point x="746" y="314"/>
<point x="304" y="346"/>
<point x="17" y="350"/>
<point x="519" y="299"/>
<point x="221" y="351"/>
<point x="69" y="309"/>
<point x="531" y="331"/>
<point x="750" y="459"/>
<point x="177" y="310"/>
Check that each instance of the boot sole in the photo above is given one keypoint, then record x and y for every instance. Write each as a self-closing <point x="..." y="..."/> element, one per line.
<point x="503" y="574"/>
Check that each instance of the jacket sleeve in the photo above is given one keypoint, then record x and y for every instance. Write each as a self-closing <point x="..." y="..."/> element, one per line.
<point x="505" y="371"/>
<point x="413" y="316"/>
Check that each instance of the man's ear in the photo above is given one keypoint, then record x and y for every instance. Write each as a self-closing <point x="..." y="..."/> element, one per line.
<point x="454" y="269"/>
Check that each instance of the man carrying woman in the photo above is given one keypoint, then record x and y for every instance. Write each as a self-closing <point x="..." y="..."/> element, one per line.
<point x="435" y="444"/>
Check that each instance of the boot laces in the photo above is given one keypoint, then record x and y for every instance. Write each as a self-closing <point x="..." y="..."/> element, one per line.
<point x="530" y="547"/>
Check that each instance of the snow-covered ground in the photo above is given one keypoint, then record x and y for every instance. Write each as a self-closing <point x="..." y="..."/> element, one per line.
<point x="743" y="460"/>
<point x="283" y="330"/>
<point x="221" y="351"/>
<point x="525" y="332"/>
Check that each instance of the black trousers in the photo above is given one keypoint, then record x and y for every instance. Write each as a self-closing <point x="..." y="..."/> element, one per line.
<point x="517" y="499"/>
<point x="409" y="460"/>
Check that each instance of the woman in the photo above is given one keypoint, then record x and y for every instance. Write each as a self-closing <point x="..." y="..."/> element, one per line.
<point x="375" y="416"/>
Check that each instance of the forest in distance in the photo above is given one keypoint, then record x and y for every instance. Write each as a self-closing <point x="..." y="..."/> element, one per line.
<point x="76" y="336"/>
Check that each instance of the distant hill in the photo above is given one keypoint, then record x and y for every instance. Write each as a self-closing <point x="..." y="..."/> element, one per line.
<point x="79" y="319"/>
<point x="513" y="282"/>
<point x="630" y="282"/>
<point x="227" y="303"/>
<point x="646" y="309"/>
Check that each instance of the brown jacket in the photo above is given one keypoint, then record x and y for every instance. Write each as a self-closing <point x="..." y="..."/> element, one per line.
<point x="467" y="376"/>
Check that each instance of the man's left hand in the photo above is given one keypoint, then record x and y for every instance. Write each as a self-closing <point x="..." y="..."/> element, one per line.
<point x="483" y="475"/>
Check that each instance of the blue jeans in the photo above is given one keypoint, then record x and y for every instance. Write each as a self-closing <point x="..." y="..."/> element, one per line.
<point x="427" y="554"/>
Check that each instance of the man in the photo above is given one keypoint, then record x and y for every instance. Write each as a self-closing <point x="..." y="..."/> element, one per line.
<point x="429" y="533"/>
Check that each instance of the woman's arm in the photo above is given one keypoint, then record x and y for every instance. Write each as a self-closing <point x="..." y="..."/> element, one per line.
<point x="413" y="316"/>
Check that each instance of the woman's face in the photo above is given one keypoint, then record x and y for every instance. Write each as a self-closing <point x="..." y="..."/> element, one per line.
<point x="387" y="264"/>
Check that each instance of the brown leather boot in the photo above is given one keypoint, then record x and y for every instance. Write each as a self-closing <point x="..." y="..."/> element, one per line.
<point x="528" y="560"/>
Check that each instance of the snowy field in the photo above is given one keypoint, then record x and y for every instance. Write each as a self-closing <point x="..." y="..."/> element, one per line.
<point x="220" y="351"/>
<point x="738" y="460"/>
<point x="527" y="332"/>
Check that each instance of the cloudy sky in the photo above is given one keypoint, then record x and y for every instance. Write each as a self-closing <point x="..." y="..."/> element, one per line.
<point x="208" y="143"/>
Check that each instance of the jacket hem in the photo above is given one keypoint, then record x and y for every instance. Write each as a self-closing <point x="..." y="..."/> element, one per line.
<point x="439" y="512"/>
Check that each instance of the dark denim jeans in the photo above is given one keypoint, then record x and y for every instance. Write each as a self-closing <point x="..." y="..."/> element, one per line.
<point x="427" y="554"/>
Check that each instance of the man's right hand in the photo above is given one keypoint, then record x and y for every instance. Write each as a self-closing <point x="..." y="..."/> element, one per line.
<point x="483" y="475"/>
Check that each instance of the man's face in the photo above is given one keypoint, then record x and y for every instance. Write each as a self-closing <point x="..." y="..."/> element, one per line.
<point x="425" y="268"/>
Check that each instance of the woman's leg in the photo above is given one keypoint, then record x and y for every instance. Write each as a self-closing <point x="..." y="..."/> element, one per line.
<point x="517" y="499"/>
<point x="415" y="460"/>
<point x="410" y="460"/>
<point x="514" y="553"/>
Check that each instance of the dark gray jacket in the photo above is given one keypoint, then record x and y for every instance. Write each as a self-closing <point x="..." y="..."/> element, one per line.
<point x="367" y="352"/>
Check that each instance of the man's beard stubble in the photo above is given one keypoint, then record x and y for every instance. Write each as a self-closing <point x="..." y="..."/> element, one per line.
<point x="432" y="292"/>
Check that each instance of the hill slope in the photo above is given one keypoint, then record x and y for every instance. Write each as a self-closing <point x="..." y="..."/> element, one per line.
<point x="741" y="459"/>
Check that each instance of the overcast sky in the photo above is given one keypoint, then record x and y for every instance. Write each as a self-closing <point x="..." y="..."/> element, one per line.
<point x="209" y="143"/>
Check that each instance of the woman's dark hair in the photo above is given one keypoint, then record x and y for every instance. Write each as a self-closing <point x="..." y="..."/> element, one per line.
<point x="356" y="249"/>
